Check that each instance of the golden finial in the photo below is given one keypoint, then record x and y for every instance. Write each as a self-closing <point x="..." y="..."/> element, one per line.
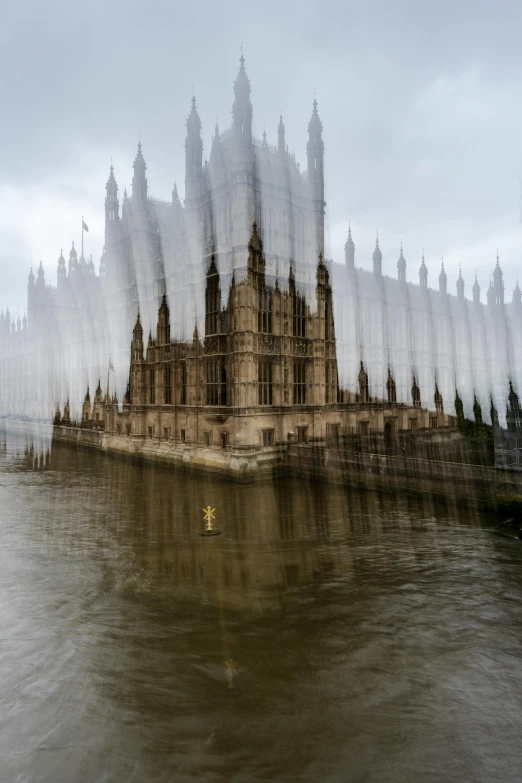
<point x="208" y="517"/>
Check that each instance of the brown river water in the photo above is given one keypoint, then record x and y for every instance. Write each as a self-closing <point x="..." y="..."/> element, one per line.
<point x="327" y="634"/>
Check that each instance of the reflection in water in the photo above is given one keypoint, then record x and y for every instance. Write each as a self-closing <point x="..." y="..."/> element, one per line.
<point x="326" y="634"/>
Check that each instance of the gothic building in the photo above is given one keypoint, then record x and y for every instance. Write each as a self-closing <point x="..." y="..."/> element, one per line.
<point x="217" y="324"/>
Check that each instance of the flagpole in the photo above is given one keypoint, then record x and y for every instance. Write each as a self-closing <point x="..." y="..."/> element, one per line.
<point x="82" y="236"/>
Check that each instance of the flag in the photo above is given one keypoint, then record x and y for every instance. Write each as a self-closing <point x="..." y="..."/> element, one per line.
<point x="85" y="227"/>
<point x="110" y="366"/>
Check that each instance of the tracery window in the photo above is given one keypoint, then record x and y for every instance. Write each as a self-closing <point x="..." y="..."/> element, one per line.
<point x="264" y="312"/>
<point x="327" y="320"/>
<point x="212" y="306"/>
<point x="216" y="381"/>
<point x="299" y="382"/>
<point x="264" y="378"/>
<point x="168" y="387"/>
<point x="299" y="316"/>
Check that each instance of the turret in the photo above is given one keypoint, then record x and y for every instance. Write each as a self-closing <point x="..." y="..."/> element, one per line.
<point x="423" y="274"/>
<point x="137" y="341"/>
<point x="193" y="153"/>
<point x="476" y="291"/>
<point x="73" y="259"/>
<point x="315" y="152"/>
<point x="349" y="251"/>
<point x="103" y="263"/>
<point x="40" y="282"/>
<point x="443" y="280"/>
<point x="401" y="267"/>
<point x="517" y="298"/>
<point x="491" y="294"/>
<point x="61" y="273"/>
<point x="30" y="280"/>
<point x="163" y="329"/>
<point x="498" y="286"/>
<point x="377" y="259"/>
<point x="281" y="137"/>
<point x="460" y="286"/>
<point x="112" y="207"/>
<point x="242" y="108"/>
<point x="139" y="181"/>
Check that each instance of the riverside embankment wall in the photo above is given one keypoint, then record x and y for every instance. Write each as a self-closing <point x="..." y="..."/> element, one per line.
<point x="469" y="483"/>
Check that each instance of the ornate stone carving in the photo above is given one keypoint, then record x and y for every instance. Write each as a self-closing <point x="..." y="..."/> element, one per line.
<point x="301" y="348"/>
<point x="266" y="344"/>
<point x="211" y="345"/>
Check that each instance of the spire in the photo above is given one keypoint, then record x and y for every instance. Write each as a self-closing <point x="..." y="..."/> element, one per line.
<point x="517" y="296"/>
<point x="349" y="250"/>
<point x="242" y="83"/>
<point x="41" y="276"/>
<point x="175" y="197"/>
<point x="139" y="181"/>
<point x="31" y="277"/>
<point x="423" y="273"/>
<point x="193" y="121"/>
<point x="242" y="108"/>
<point x="62" y="272"/>
<point x="497" y="296"/>
<point x="460" y="285"/>
<point x="443" y="280"/>
<point x="103" y="263"/>
<point x="111" y="186"/>
<point x="73" y="259"/>
<point x="315" y="126"/>
<point x="193" y="153"/>
<point x="476" y="290"/>
<point x="315" y="149"/>
<point x="401" y="267"/>
<point x="281" y="137"/>
<point x="377" y="258"/>
<point x="112" y="207"/>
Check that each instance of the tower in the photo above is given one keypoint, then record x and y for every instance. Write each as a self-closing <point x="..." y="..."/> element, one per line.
<point x="349" y="251"/>
<point x="517" y="299"/>
<point x="476" y="291"/>
<point x="281" y="137"/>
<point x="377" y="259"/>
<point x="61" y="273"/>
<point x="315" y="155"/>
<point x="139" y="181"/>
<point x="112" y="208"/>
<point x="40" y="281"/>
<point x="423" y="274"/>
<point x="401" y="267"/>
<point x="242" y="108"/>
<point x="498" y="286"/>
<point x="73" y="260"/>
<point x="443" y="280"/>
<point x="193" y="153"/>
<point x="460" y="286"/>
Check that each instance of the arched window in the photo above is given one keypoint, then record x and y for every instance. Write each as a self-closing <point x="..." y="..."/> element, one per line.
<point x="212" y="303"/>
<point x="264" y="310"/>
<point x="299" y="316"/>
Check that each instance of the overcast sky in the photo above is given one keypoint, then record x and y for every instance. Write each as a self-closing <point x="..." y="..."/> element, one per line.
<point x="421" y="105"/>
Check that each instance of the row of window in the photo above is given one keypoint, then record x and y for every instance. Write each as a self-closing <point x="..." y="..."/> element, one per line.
<point x="216" y="383"/>
<point x="216" y="318"/>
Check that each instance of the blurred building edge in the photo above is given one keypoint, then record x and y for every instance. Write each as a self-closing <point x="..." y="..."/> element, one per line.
<point x="245" y="339"/>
